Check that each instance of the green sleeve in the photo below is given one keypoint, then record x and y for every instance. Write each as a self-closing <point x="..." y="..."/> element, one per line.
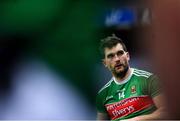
<point x="154" y="87"/>
<point x="100" y="103"/>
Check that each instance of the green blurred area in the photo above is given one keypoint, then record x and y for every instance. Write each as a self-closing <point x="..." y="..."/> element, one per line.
<point x="61" y="32"/>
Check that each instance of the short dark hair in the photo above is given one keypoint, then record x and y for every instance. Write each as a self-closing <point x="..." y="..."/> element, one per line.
<point x="110" y="42"/>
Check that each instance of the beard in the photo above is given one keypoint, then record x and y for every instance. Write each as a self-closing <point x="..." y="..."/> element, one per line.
<point x="121" y="74"/>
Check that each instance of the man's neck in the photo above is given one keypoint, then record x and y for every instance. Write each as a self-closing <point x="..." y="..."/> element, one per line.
<point x="119" y="79"/>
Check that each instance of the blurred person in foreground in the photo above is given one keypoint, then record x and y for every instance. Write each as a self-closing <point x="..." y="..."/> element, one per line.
<point x="131" y="94"/>
<point x="166" y="51"/>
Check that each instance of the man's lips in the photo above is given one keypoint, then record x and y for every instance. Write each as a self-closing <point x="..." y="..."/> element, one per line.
<point x="118" y="65"/>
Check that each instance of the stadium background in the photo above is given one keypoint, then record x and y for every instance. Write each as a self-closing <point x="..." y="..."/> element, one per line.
<point x="50" y="62"/>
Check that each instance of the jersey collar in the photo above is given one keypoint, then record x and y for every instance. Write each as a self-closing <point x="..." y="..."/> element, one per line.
<point x="125" y="80"/>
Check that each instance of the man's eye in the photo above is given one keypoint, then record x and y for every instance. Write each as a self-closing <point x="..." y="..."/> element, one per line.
<point x="110" y="56"/>
<point x="120" y="52"/>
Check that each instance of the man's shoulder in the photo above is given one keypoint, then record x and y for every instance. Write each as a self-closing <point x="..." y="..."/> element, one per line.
<point x="141" y="73"/>
<point x="106" y="86"/>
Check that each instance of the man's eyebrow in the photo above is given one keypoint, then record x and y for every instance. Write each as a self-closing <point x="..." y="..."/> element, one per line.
<point x="110" y="54"/>
<point x="120" y="51"/>
<point x="116" y="52"/>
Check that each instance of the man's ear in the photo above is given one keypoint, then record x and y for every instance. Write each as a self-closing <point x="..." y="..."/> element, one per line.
<point x="128" y="56"/>
<point x="104" y="62"/>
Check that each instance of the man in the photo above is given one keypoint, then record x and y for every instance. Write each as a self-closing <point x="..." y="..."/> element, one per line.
<point x="131" y="93"/>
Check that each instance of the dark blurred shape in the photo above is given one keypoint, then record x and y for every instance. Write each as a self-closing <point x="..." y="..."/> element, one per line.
<point x="164" y="47"/>
<point x="11" y="47"/>
<point x="40" y="93"/>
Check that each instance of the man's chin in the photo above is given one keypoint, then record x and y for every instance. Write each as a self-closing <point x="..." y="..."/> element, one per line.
<point x="121" y="72"/>
<point x="119" y="69"/>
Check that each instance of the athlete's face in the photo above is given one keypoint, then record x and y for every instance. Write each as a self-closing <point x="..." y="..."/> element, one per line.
<point x="116" y="59"/>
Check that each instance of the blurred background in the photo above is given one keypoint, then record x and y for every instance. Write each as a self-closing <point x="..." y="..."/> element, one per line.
<point x="50" y="66"/>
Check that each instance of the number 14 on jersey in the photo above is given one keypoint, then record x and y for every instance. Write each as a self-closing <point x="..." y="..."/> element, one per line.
<point x="121" y="94"/>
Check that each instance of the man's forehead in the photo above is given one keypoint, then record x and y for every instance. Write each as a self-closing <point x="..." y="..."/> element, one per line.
<point x="114" y="49"/>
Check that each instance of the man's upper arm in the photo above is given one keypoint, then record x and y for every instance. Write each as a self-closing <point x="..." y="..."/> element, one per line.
<point x="161" y="107"/>
<point x="102" y="116"/>
<point x="156" y="92"/>
<point x="101" y="110"/>
<point x="159" y="101"/>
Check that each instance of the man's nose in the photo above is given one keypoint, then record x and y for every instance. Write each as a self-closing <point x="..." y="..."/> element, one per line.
<point x="116" y="58"/>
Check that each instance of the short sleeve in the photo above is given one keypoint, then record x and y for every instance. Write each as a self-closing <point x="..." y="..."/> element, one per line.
<point x="154" y="87"/>
<point x="99" y="103"/>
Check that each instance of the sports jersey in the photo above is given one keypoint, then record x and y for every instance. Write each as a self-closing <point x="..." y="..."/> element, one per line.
<point x="129" y="98"/>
